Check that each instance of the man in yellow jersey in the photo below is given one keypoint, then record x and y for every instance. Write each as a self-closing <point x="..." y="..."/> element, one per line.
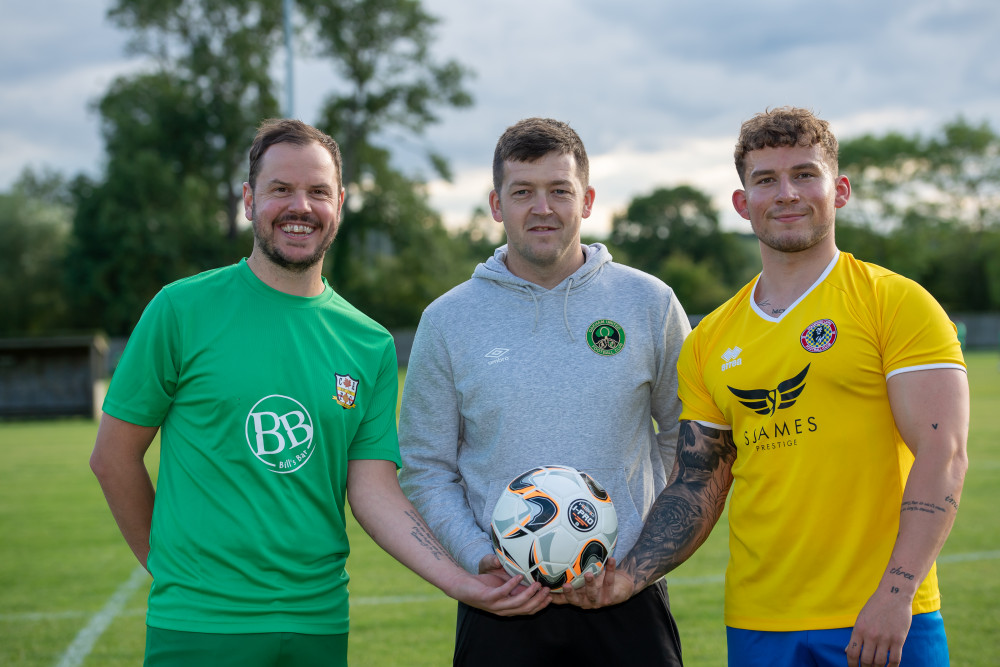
<point x="276" y="403"/>
<point x="831" y="395"/>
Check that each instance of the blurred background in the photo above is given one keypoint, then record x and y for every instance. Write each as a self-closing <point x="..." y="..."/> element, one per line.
<point x="124" y="131"/>
<point x="125" y="125"/>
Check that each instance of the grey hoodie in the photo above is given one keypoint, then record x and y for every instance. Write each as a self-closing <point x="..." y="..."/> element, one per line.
<point x="502" y="377"/>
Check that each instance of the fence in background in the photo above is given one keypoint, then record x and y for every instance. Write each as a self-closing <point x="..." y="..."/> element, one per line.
<point x="64" y="376"/>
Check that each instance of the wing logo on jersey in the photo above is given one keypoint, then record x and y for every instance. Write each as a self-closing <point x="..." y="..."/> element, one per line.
<point x="769" y="401"/>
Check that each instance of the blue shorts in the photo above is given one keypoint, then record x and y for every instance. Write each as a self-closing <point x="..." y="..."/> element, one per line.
<point x="926" y="646"/>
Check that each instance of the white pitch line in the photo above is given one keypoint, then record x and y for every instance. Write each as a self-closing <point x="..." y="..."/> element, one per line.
<point x="85" y="640"/>
<point x="99" y="622"/>
<point x="974" y="555"/>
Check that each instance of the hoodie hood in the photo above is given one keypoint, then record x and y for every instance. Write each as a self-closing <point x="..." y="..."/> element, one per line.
<point x="495" y="269"/>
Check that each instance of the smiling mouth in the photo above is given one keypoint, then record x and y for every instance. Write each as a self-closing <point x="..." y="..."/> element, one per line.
<point x="787" y="216"/>
<point x="296" y="229"/>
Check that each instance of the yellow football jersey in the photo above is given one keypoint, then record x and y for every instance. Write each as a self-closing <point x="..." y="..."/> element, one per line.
<point x="820" y="466"/>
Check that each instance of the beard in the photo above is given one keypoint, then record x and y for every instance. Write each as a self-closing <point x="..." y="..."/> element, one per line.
<point x="793" y="242"/>
<point x="267" y="246"/>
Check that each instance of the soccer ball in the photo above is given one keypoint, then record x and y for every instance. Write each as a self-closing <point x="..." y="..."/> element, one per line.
<point x="552" y="524"/>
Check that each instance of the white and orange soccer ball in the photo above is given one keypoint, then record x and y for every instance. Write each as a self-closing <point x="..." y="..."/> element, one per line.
<point x="553" y="524"/>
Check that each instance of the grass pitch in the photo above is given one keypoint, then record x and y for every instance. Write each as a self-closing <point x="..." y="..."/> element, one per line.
<point x="70" y="594"/>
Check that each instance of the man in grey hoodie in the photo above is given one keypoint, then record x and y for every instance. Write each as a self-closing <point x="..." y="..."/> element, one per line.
<point x="515" y="368"/>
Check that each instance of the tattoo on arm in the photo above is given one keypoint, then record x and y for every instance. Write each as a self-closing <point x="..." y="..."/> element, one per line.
<point x="686" y="511"/>
<point x="930" y="508"/>
<point x="423" y="535"/>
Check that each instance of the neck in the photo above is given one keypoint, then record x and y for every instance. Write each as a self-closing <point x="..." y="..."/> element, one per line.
<point x="297" y="283"/>
<point x="546" y="275"/>
<point x="785" y="276"/>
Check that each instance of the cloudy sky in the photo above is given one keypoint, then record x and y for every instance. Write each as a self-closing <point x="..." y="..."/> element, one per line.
<point x="657" y="89"/>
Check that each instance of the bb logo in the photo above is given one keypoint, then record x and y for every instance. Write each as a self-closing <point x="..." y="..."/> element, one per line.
<point x="279" y="432"/>
<point x="582" y="515"/>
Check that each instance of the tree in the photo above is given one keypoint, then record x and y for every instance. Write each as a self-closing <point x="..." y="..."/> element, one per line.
<point x="34" y="228"/>
<point x="216" y="58"/>
<point x="380" y="50"/>
<point x="952" y="176"/>
<point x="141" y="228"/>
<point x="177" y="138"/>
<point x="928" y="208"/>
<point x="673" y="233"/>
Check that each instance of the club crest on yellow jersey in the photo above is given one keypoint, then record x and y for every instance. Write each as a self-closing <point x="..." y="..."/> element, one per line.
<point x="819" y="336"/>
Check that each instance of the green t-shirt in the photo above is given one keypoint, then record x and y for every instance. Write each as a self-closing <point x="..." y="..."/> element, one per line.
<point x="262" y="398"/>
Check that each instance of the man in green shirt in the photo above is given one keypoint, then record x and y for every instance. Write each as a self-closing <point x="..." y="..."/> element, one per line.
<point x="276" y="401"/>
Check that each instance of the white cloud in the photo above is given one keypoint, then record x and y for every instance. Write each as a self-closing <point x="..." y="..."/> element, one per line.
<point x="656" y="90"/>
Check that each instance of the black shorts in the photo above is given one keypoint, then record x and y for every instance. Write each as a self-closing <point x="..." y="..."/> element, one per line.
<point x="638" y="632"/>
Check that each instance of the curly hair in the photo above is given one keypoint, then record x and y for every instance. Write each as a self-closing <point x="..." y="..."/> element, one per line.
<point x="784" y="126"/>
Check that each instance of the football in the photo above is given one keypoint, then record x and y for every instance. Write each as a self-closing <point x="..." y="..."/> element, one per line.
<point x="553" y="524"/>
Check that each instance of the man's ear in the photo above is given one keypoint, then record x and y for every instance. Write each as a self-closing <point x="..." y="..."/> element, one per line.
<point x="495" y="206"/>
<point x="740" y="204"/>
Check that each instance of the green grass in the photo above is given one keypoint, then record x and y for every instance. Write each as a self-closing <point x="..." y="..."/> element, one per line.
<point x="62" y="559"/>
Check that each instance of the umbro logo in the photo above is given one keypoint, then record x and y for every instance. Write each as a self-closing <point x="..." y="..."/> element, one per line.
<point x="768" y="401"/>
<point x="732" y="358"/>
<point x="497" y="355"/>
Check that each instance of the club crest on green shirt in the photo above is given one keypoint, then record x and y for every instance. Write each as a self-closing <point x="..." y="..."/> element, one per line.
<point x="279" y="432"/>
<point x="347" y="390"/>
<point x="606" y="337"/>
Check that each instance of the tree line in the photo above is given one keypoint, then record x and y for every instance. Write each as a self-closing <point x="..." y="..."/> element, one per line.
<point x="80" y="253"/>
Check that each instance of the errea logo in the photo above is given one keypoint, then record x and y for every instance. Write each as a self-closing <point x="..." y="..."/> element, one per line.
<point x="731" y="357"/>
<point x="279" y="432"/>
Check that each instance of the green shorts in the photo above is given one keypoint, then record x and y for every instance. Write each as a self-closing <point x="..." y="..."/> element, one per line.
<point x="170" y="648"/>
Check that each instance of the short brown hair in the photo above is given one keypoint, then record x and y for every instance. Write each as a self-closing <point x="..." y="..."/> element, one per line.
<point x="785" y="126"/>
<point x="290" y="131"/>
<point x="532" y="139"/>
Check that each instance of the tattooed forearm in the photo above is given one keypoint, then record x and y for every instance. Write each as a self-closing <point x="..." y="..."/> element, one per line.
<point x="686" y="511"/>
<point x="915" y="506"/>
<point x="423" y="535"/>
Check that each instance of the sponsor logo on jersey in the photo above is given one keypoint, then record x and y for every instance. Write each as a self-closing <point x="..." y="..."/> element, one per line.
<point x="606" y="337"/>
<point x="347" y="390"/>
<point x="497" y="355"/>
<point x="819" y="336"/>
<point x="279" y="432"/>
<point x="731" y="357"/>
<point x="769" y="401"/>
<point x="776" y="435"/>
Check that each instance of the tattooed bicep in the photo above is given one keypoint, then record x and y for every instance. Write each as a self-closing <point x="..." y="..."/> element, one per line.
<point x="703" y="448"/>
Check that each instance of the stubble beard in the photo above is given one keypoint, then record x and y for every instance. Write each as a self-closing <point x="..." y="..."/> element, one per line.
<point x="543" y="256"/>
<point x="279" y="259"/>
<point x="791" y="243"/>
